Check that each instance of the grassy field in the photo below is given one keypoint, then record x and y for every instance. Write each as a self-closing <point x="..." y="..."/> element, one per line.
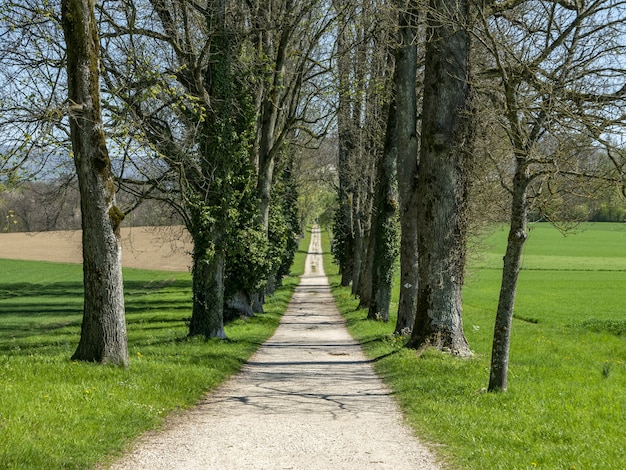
<point x="55" y="413"/>
<point x="566" y="404"/>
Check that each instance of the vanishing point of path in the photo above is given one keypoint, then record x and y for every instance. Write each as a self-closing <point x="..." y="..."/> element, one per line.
<point x="308" y="399"/>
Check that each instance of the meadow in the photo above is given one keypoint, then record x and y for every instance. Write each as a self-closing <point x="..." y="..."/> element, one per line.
<point x="565" y="407"/>
<point x="57" y="413"/>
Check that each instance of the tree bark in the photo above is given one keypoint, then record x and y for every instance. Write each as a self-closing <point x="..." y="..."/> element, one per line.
<point x="345" y="224"/>
<point x="510" y="273"/>
<point x="360" y="248"/>
<point x="442" y="181"/>
<point x="103" y="332"/>
<point x="406" y="105"/>
<point x="384" y="227"/>
<point x="208" y="287"/>
<point x="364" y="287"/>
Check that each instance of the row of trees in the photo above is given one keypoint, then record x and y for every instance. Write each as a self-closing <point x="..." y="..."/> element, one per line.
<point x="200" y="105"/>
<point x="517" y="103"/>
<point x="441" y="114"/>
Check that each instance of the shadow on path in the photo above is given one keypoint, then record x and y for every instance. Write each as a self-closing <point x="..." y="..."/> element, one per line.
<point x="308" y="399"/>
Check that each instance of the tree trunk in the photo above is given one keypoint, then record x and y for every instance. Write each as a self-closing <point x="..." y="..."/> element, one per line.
<point x="346" y="234"/>
<point x="359" y="247"/>
<point x="406" y="105"/>
<point x="366" y="233"/>
<point x="510" y="273"/>
<point x="344" y="224"/>
<point x="239" y="305"/>
<point x="207" y="318"/>
<point x="384" y="223"/>
<point x="443" y="181"/>
<point x="103" y="332"/>
<point x="264" y="188"/>
<point x="270" y="111"/>
<point x="364" y="291"/>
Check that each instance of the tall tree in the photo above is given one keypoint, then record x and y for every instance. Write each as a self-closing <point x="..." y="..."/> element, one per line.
<point x="103" y="333"/>
<point x="384" y="230"/>
<point x="344" y="224"/>
<point x="189" y="108"/>
<point x="375" y="167"/>
<point x="560" y="102"/>
<point x="216" y="109"/>
<point x="363" y="78"/>
<point x="286" y="36"/>
<point x="406" y="55"/>
<point x="442" y="180"/>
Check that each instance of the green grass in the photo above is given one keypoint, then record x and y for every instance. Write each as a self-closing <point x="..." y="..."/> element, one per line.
<point x="55" y="413"/>
<point x="566" y="404"/>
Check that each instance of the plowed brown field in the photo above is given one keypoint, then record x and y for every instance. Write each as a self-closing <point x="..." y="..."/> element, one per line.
<point x="159" y="248"/>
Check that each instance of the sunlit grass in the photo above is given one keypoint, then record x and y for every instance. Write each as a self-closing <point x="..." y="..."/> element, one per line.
<point x="55" y="413"/>
<point x="566" y="404"/>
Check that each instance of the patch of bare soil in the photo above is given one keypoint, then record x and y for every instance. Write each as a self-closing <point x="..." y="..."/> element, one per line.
<point x="159" y="248"/>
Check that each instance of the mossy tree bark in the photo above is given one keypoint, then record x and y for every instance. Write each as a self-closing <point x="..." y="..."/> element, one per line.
<point x="443" y="180"/>
<point x="220" y="147"/>
<point x="103" y="333"/>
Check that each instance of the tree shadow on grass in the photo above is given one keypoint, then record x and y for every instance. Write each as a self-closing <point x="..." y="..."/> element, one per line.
<point x="40" y="315"/>
<point x="45" y="318"/>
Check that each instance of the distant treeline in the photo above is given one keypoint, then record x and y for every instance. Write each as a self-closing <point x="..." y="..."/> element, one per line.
<point x="42" y="206"/>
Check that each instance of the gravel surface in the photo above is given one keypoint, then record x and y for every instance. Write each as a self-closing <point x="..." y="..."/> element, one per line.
<point x="308" y="399"/>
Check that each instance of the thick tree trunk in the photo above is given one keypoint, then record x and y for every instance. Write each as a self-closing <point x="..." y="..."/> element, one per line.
<point x="442" y="181"/>
<point x="207" y="318"/>
<point x="406" y="104"/>
<point x="384" y="223"/>
<point x="103" y="332"/>
<point x="510" y="273"/>
<point x="239" y="305"/>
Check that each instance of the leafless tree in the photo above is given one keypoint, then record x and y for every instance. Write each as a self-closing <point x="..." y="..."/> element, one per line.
<point x="364" y="71"/>
<point x="556" y="81"/>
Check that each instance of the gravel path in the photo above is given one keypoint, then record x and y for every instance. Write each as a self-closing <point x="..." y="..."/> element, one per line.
<point x="308" y="399"/>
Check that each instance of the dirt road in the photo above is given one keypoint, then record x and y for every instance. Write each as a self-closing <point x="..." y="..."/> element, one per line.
<point x="308" y="399"/>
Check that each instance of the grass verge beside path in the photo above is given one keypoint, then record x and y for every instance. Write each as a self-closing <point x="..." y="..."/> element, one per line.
<point x="566" y="404"/>
<point x="55" y="413"/>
